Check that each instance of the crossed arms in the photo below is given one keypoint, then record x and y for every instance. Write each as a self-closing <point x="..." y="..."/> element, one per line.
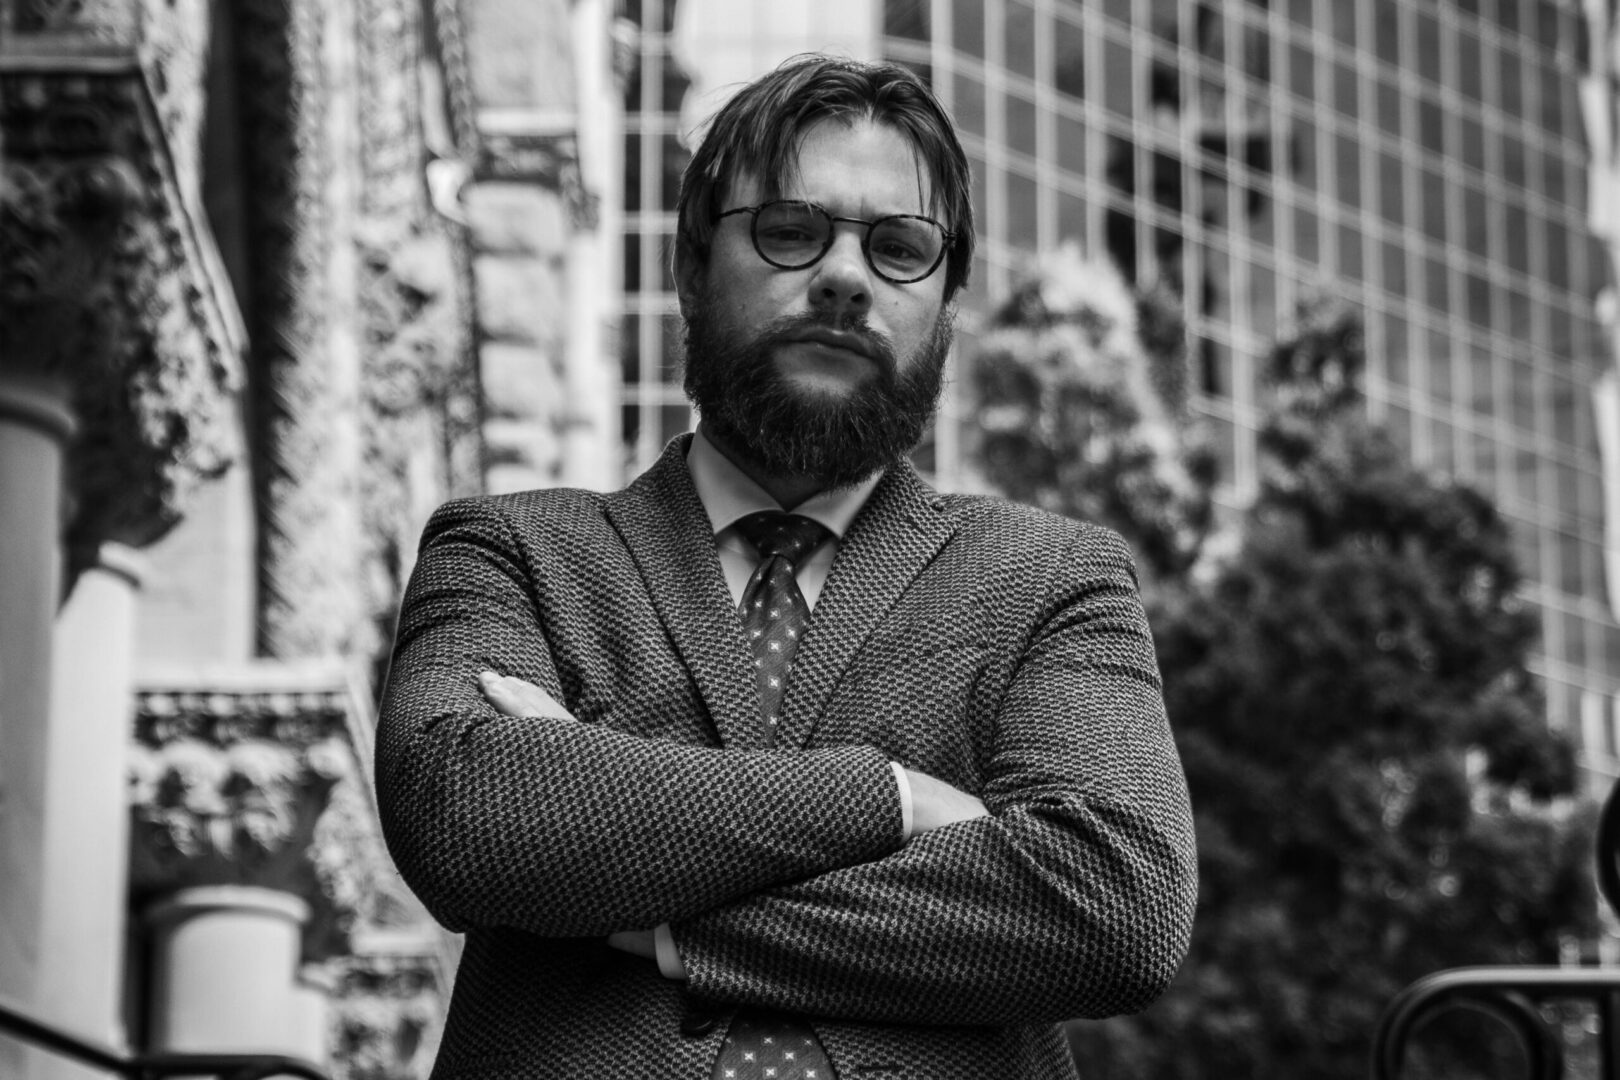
<point x="934" y="803"/>
<point x="783" y="874"/>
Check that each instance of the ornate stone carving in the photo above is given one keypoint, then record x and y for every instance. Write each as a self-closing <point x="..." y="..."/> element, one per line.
<point x="110" y="282"/>
<point x="334" y="548"/>
<point x="361" y="895"/>
<point x="168" y="39"/>
<point x="414" y="310"/>
<point x="393" y="145"/>
<point x="545" y="158"/>
<point x="174" y="50"/>
<point x="252" y="776"/>
<point x="462" y="409"/>
<point x="227" y="786"/>
<point x="388" y="1016"/>
<point x="625" y="42"/>
<point x="101" y="20"/>
<point x="416" y="365"/>
<point x="450" y="37"/>
<point x="302" y="419"/>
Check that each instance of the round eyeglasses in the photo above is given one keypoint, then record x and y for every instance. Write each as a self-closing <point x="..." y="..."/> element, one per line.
<point x="900" y="248"/>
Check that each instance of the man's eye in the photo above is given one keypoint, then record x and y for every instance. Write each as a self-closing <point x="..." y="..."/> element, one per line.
<point x="897" y="251"/>
<point x="788" y="234"/>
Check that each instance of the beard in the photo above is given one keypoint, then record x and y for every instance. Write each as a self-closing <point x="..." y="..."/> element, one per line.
<point x="838" y="440"/>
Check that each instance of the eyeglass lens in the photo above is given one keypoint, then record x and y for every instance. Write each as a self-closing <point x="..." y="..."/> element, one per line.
<point x="793" y="235"/>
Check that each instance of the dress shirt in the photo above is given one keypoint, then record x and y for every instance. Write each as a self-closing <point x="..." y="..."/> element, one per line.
<point x="728" y="495"/>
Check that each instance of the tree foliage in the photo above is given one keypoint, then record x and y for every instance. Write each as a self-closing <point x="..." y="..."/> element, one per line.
<point x="1376" y="790"/>
<point x="1075" y="415"/>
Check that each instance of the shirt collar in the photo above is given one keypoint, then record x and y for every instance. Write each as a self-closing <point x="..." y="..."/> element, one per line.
<point x="728" y="495"/>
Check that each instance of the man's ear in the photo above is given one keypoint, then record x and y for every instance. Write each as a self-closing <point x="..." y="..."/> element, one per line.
<point x="688" y="267"/>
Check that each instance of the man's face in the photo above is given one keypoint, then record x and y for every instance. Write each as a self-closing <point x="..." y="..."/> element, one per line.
<point x="829" y="371"/>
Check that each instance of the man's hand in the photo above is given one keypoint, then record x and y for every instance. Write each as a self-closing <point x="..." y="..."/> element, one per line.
<point x="935" y="804"/>
<point x="512" y="696"/>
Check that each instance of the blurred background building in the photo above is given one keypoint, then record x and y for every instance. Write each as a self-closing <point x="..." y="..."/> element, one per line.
<point x="250" y="336"/>
<point x="1449" y="169"/>
<point x="278" y="276"/>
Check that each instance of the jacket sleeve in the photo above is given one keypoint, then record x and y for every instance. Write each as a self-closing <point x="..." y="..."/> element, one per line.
<point x="564" y="828"/>
<point x="1073" y="899"/>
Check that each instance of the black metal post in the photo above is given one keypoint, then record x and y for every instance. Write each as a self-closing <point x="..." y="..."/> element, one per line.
<point x="30" y="1029"/>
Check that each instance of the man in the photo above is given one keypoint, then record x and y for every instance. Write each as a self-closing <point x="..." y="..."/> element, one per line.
<point x="880" y="789"/>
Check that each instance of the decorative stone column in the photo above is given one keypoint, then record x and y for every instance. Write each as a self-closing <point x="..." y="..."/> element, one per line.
<point x="232" y="767"/>
<point x="110" y="283"/>
<point x="224" y="962"/>
<point x="595" y="277"/>
<point x="256" y="852"/>
<point x="252" y="823"/>
<point x="111" y="310"/>
<point x="86" y="863"/>
<point x="35" y="426"/>
<point x="311" y="1029"/>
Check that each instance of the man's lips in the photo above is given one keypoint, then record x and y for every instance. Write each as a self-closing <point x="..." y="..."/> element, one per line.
<point x="837" y="339"/>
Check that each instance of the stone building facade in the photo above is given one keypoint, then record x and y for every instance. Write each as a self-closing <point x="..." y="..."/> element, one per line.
<point x="276" y="278"/>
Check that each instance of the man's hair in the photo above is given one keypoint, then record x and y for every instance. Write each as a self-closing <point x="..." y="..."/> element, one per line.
<point x="758" y="132"/>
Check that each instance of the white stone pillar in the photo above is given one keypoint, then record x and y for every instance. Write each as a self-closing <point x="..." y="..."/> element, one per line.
<point x="85" y="884"/>
<point x="224" y="970"/>
<point x="592" y="456"/>
<point x="35" y="426"/>
<point x="313" y="992"/>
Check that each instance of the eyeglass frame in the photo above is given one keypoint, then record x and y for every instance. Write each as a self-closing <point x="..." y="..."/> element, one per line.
<point x="866" y="239"/>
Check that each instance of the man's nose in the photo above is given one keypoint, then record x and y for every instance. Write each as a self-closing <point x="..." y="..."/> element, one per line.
<point x="842" y="282"/>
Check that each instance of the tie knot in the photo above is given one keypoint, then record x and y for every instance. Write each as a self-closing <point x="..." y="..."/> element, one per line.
<point x="774" y="533"/>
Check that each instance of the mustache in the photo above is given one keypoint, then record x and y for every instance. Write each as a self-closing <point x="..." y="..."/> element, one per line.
<point x="839" y="440"/>
<point x="789" y="327"/>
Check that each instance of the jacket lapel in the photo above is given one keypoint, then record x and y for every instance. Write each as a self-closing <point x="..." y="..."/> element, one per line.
<point x="667" y="532"/>
<point x="897" y="533"/>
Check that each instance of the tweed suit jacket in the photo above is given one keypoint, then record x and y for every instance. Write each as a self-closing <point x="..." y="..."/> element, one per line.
<point x="999" y="648"/>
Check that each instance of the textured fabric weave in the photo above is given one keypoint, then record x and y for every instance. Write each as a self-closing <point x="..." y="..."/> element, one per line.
<point x="999" y="648"/>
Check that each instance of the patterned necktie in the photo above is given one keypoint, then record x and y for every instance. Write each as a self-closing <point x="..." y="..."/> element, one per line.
<point x="771" y="1046"/>
<point x="762" y="1045"/>
<point x="773" y="610"/>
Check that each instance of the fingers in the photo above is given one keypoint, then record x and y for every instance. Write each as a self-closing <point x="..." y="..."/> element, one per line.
<point x="512" y="696"/>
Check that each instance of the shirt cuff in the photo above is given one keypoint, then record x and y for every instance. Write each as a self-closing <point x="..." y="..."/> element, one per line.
<point x="904" y="785"/>
<point x="669" y="959"/>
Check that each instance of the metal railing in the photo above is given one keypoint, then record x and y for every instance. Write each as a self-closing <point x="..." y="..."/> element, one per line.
<point x="35" y="1032"/>
<point x="1514" y="995"/>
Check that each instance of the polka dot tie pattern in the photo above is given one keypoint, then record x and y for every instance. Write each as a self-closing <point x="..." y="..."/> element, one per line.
<point x="774" y="1046"/>
<point x="774" y="613"/>
<point x="771" y="1046"/>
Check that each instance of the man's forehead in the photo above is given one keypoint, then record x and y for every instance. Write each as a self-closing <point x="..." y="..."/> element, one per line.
<point x="746" y="184"/>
